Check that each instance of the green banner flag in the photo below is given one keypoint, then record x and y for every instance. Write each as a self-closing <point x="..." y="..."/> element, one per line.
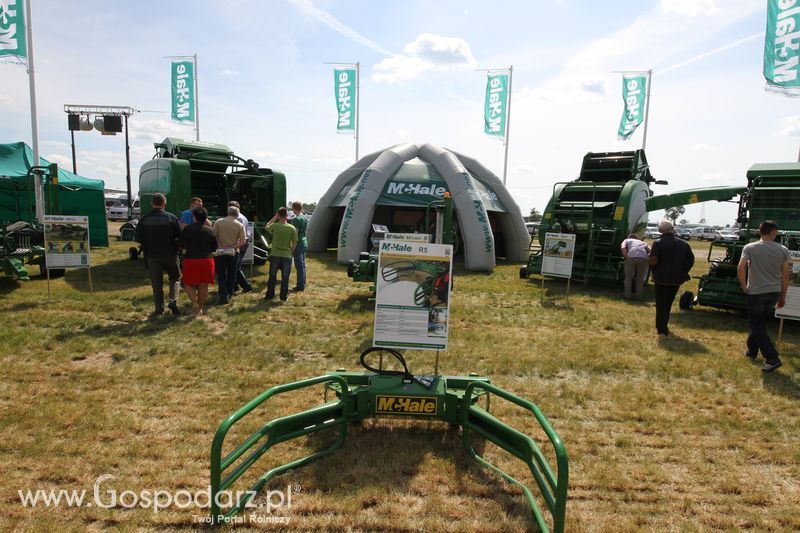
<point x="183" y="97"/>
<point x="633" y="94"/>
<point x="344" y="82"/>
<point x="782" y="47"/>
<point x="13" y="46"/>
<point x="495" y="110"/>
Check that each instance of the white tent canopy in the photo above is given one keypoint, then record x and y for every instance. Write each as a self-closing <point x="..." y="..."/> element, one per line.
<point x="479" y="198"/>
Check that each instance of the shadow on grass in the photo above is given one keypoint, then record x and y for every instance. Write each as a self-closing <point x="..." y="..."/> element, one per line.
<point x="327" y="260"/>
<point x="717" y="320"/>
<point x="8" y="285"/>
<point x="779" y="383"/>
<point x="112" y="276"/>
<point x="682" y="345"/>
<point x="359" y="303"/>
<point x="135" y="328"/>
<point x="388" y="458"/>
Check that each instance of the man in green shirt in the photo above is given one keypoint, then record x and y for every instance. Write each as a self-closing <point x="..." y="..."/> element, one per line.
<point x="300" y="223"/>
<point x="284" y="240"/>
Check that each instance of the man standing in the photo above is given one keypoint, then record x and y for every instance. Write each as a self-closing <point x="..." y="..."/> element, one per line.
<point x="636" y="254"/>
<point x="670" y="261"/>
<point x="230" y="236"/>
<point x="300" y="223"/>
<point x="158" y="232"/>
<point x="241" y="279"/>
<point x="284" y="240"/>
<point x="186" y="216"/>
<point x="764" y="277"/>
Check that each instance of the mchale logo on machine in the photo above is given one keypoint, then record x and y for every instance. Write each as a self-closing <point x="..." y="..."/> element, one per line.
<point x="411" y="405"/>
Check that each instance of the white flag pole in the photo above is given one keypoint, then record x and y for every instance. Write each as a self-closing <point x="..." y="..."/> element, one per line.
<point x="37" y="178"/>
<point x="196" y="102"/>
<point x="647" y="108"/>
<point x="508" y="121"/>
<point x="358" y="106"/>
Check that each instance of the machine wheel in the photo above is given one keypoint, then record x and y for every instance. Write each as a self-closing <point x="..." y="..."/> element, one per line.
<point x="133" y="253"/>
<point x="351" y="268"/>
<point x="687" y="300"/>
<point x="523" y="272"/>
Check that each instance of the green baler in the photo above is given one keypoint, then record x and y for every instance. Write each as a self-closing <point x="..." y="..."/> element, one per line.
<point x="772" y="193"/>
<point x="602" y="207"/>
<point x="183" y="169"/>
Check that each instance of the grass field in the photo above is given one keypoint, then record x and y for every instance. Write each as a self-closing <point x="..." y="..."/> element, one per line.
<point x="676" y="434"/>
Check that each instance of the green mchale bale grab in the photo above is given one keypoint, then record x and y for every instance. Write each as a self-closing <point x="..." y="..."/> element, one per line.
<point x="772" y="193"/>
<point x="602" y="207"/>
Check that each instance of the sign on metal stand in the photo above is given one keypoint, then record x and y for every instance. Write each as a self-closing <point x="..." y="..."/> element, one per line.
<point x="791" y="308"/>
<point x="558" y="254"/>
<point x="66" y="244"/>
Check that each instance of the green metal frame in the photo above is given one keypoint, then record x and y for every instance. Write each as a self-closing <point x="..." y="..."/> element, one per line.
<point x="452" y="399"/>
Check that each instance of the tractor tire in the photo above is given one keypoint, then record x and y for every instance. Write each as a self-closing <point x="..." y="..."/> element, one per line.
<point x="687" y="301"/>
<point x="133" y="253"/>
<point x="523" y="272"/>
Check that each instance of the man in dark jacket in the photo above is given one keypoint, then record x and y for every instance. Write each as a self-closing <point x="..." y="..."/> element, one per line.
<point x="671" y="259"/>
<point x="158" y="232"/>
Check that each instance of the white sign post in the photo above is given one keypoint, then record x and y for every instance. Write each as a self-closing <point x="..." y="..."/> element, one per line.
<point x="249" y="254"/>
<point x="558" y="254"/>
<point x="412" y="295"/>
<point x="790" y="309"/>
<point x="66" y="245"/>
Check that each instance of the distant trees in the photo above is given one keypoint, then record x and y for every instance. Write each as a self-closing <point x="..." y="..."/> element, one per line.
<point x="674" y="212"/>
<point x="535" y="216"/>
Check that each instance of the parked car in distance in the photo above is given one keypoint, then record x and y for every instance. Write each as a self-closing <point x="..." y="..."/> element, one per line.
<point x="683" y="233"/>
<point x="531" y="227"/>
<point x="728" y="235"/>
<point x="651" y="233"/>
<point x="704" y="233"/>
<point x="119" y="210"/>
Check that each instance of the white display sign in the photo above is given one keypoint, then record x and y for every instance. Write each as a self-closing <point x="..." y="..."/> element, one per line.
<point x="249" y="253"/>
<point x="791" y="309"/>
<point x="408" y="237"/>
<point x="559" y="251"/>
<point x="66" y="241"/>
<point x="412" y="299"/>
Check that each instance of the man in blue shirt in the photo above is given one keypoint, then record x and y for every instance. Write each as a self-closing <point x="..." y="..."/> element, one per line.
<point x="186" y="217"/>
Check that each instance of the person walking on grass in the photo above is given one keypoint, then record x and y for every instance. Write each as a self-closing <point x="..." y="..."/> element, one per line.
<point x="284" y="240"/>
<point x="230" y="237"/>
<point x="763" y="273"/>
<point x="636" y="254"/>
<point x="300" y="223"/>
<point x="671" y="259"/>
<point x="158" y="233"/>
<point x="199" y="244"/>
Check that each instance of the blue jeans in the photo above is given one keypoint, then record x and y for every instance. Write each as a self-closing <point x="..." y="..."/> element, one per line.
<point x="284" y="264"/>
<point x="300" y="265"/>
<point x="226" y="266"/>
<point x="759" y="309"/>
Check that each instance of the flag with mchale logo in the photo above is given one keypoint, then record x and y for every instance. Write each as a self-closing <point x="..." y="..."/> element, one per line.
<point x="782" y="47"/>
<point x="183" y="97"/>
<point x="344" y="85"/>
<point x="633" y="94"/>
<point x="13" y="45"/>
<point x="495" y="110"/>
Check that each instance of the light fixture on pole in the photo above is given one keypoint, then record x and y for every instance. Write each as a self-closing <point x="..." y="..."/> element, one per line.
<point x="108" y="120"/>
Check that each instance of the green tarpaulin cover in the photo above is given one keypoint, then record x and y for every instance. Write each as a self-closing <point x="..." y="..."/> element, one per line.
<point x="76" y="195"/>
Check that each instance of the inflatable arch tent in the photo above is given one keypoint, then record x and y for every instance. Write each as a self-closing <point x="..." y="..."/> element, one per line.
<point x="393" y="187"/>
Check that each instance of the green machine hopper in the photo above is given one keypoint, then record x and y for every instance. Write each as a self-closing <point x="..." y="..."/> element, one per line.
<point x="183" y="169"/>
<point x="602" y="207"/>
<point x="772" y="193"/>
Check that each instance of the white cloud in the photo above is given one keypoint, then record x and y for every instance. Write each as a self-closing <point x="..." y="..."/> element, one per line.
<point x="427" y="52"/>
<point x="157" y="130"/>
<point x="705" y="148"/>
<point x="228" y="72"/>
<point x="689" y="8"/>
<point x="790" y="127"/>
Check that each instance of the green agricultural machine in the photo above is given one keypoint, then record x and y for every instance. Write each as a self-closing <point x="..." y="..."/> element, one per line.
<point x="772" y="193"/>
<point x="378" y="392"/>
<point x="438" y="216"/>
<point x="183" y="169"/>
<point x="602" y="207"/>
<point x="21" y="242"/>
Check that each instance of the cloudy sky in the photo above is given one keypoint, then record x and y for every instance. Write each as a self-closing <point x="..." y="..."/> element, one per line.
<point x="265" y="92"/>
